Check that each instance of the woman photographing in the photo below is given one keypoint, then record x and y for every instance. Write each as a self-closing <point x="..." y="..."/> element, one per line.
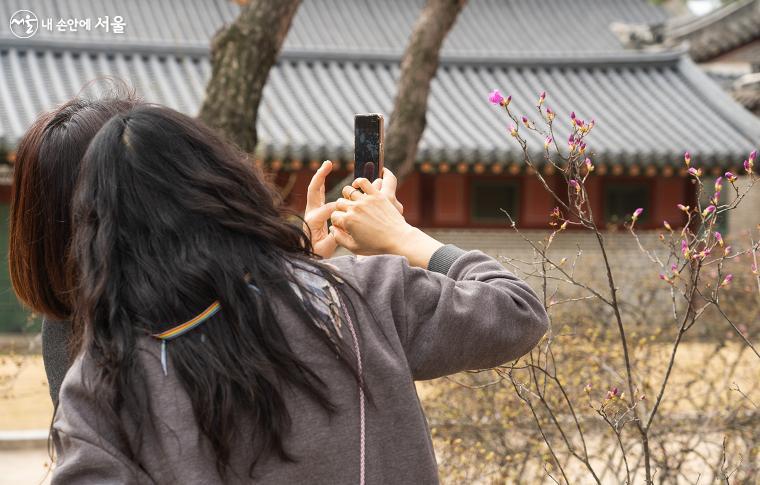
<point x="218" y="349"/>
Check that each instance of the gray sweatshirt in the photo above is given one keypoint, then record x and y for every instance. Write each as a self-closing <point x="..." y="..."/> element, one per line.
<point x="465" y="312"/>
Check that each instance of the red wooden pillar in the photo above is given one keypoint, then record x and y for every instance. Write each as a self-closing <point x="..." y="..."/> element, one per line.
<point x="595" y="196"/>
<point x="667" y="194"/>
<point x="535" y="202"/>
<point x="449" y="200"/>
<point x="409" y="193"/>
<point x="296" y="198"/>
<point x="5" y="194"/>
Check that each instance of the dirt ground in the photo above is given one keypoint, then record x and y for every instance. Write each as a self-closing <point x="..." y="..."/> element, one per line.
<point x="24" y="467"/>
<point x="24" y="399"/>
<point x="25" y="404"/>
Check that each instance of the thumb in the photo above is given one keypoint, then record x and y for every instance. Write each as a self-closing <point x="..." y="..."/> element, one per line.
<point x="320" y="215"/>
<point x="390" y="182"/>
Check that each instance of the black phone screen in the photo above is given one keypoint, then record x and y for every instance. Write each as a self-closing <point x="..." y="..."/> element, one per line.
<point x="368" y="146"/>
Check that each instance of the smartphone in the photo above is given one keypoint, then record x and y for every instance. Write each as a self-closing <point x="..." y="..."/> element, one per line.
<point x="368" y="146"/>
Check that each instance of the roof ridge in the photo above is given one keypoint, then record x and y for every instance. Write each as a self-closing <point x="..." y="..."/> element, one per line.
<point x="379" y="56"/>
<point x="696" y="23"/>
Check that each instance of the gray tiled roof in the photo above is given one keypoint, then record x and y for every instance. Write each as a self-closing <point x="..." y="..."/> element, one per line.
<point x="649" y="107"/>
<point x="726" y="28"/>
<point x="485" y="27"/>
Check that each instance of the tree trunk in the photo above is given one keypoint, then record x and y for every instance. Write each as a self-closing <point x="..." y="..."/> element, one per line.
<point x="418" y="67"/>
<point x="241" y="57"/>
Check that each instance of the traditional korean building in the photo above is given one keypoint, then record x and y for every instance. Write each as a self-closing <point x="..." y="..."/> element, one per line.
<point x="342" y="57"/>
<point x="726" y="44"/>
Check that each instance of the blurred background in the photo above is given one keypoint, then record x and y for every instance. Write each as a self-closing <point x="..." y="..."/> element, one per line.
<point x="283" y="79"/>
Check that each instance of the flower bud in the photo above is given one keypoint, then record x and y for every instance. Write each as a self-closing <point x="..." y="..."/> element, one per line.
<point x="730" y="177"/>
<point x="667" y="226"/>
<point x="548" y="141"/>
<point x="695" y="172"/>
<point x="637" y="213"/>
<point x="513" y="130"/>
<point x="495" y="97"/>
<point x="727" y="280"/>
<point x="719" y="238"/>
<point x="708" y="210"/>
<point x="684" y="208"/>
<point x="687" y="158"/>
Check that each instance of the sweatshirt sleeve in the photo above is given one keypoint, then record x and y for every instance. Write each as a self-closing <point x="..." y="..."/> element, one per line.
<point x="88" y="450"/>
<point x="464" y="312"/>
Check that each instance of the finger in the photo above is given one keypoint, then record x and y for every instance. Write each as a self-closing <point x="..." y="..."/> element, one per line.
<point x="351" y="193"/>
<point x="319" y="215"/>
<point x="344" y="239"/>
<point x="315" y="194"/>
<point x="365" y="185"/>
<point x="378" y="184"/>
<point x="326" y="246"/>
<point x="338" y="219"/>
<point x="390" y="182"/>
<point x="343" y="204"/>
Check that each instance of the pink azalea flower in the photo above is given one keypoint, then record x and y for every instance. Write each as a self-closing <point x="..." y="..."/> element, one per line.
<point x="495" y="97"/>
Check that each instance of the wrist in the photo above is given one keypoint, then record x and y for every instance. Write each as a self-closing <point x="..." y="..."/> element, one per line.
<point x="415" y="245"/>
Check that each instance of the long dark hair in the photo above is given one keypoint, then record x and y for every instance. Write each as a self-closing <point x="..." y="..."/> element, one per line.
<point x="168" y="218"/>
<point x="45" y="171"/>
